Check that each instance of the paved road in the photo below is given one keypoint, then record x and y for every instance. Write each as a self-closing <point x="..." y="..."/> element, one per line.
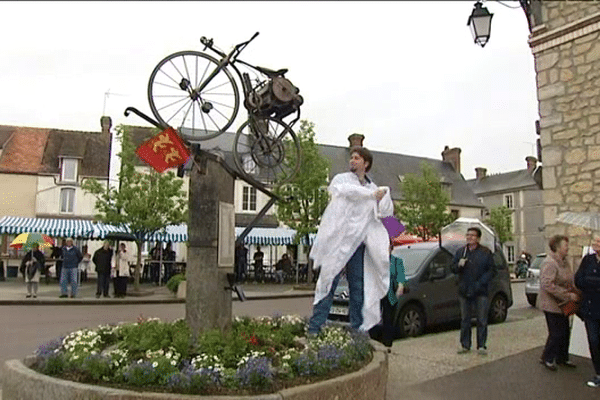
<point x="26" y="327"/>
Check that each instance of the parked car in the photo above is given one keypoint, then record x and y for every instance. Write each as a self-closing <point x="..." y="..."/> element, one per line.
<point x="532" y="282"/>
<point x="433" y="289"/>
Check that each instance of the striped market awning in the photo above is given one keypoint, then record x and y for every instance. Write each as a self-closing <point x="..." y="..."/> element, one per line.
<point x="271" y="236"/>
<point x="54" y="227"/>
<point x="85" y="229"/>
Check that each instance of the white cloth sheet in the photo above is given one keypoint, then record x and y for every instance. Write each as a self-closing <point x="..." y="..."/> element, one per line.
<point x="352" y="217"/>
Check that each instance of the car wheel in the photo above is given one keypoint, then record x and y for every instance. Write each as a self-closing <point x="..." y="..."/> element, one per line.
<point x="411" y="321"/>
<point x="498" y="309"/>
<point x="531" y="298"/>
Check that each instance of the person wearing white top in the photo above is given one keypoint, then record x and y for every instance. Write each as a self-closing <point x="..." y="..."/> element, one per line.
<point x="352" y="236"/>
<point x="121" y="270"/>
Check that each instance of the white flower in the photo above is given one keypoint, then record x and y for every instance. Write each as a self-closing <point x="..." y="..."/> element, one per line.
<point x="155" y="364"/>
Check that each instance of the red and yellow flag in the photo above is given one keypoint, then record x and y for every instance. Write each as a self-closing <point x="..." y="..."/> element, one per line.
<point x="163" y="151"/>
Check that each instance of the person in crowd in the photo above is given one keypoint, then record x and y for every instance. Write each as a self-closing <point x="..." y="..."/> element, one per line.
<point x="241" y="262"/>
<point x="587" y="279"/>
<point x="84" y="265"/>
<point x="121" y="270"/>
<point x="397" y="281"/>
<point x="557" y="286"/>
<point x="474" y="265"/>
<point x="155" y="256"/>
<point x="57" y="255"/>
<point x="352" y="236"/>
<point x="169" y="256"/>
<point x="283" y="268"/>
<point x="259" y="272"/>
<point x="103" y="260"/>
<point x="32" y="265"/>
<point x="71" y="257"/>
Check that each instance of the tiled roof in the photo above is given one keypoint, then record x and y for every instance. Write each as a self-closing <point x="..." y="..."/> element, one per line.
<point x="505" y="181"/>
<point x="388" y="166"/>
<point x="93" y="148"/>
<point x="22" y="151"/>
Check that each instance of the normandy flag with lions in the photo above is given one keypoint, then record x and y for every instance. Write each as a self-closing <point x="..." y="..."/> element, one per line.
<point x="165" y="150"/>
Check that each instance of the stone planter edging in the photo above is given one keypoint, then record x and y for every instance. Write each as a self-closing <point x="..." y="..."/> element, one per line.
<point x="21" y="382"/>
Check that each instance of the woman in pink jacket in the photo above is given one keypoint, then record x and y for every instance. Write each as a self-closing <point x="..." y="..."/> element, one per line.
<point x="556" y="288"/>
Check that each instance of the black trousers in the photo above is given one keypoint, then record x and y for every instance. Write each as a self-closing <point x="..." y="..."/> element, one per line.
<point x="120" y="284"/>
<point x="559" y="335"/>
<point x="103" y="283"/>
<point x="387" y="319"/>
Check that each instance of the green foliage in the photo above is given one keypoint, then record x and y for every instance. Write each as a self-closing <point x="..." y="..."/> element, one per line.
<point x="145" y="201"/>
<point x="174" y="281"/>
<point x="54" y="365"/>
<point x="305" y="196"/>
<point x="254" y="357"/>
<point x="153" y="335"/>
<point x="424" y="206"/>
<point x="500" y="220"/>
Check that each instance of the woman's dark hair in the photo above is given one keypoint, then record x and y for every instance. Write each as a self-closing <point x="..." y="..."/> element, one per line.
<point x="555" y="241"/>
<point x="365" y="154"/>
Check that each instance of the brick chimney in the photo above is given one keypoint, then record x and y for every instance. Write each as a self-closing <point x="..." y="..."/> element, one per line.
<point x="106" y="124"/>
<point x="452" y="155"/>
<point x="356" y="139"/>
<point x="531" y="163"/>
<point x="480" y="173"/>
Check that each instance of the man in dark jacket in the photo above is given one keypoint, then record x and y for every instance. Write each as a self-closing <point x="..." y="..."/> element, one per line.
<point x="102" y="259"/>
<point x="70" y="268"/>
<point x="474" y="265"/>
<point x="587" y="279"/>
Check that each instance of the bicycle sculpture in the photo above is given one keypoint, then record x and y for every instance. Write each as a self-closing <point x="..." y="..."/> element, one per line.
<point x="196" y="93"/>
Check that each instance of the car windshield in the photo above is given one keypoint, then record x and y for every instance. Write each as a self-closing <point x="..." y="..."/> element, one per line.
<point x="537" y="262"/>
<point x="411" y="258"/>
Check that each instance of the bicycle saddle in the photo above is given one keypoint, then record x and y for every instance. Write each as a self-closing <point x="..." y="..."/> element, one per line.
<point x="270" y="72"/>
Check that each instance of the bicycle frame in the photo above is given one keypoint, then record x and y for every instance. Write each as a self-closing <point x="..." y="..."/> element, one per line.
<point x="229" y="60"/>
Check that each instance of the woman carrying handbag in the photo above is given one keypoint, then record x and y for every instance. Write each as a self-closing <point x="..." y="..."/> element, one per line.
<point x="557" y="288"/>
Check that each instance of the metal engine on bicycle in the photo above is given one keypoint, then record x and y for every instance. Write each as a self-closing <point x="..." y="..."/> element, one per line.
<point x="276" y="97"/>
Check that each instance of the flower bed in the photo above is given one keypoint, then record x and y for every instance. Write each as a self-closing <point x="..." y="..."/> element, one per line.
<point x="256" y="356"/>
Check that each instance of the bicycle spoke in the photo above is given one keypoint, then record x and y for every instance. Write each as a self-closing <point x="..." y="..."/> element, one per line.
<point x="169" y="86"/>
<point x="171" y="78"/>
<point x="177" y="69"/>
<point x="213" y="88"/>
<point x="175" y="102"/>
<point x="181" y="108"/>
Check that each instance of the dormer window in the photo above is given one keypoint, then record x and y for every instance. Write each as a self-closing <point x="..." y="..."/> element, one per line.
<point x="68" y="172"/>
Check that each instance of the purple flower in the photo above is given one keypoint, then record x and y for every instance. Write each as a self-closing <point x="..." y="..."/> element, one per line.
<point x="255" y="373"/>
<point x="49" y="348"/>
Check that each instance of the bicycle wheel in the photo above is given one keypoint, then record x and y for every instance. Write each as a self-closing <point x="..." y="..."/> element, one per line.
<point x="176" y="101"/>
<point x="268" y="150"/>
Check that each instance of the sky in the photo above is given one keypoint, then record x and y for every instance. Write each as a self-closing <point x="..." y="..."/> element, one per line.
<point x="406" y="75"/>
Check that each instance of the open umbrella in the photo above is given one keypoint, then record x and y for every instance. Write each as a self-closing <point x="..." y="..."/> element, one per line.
<point x="589" y="220"/>
<point x="27" y="240"/>
<point x="456" y="232"/>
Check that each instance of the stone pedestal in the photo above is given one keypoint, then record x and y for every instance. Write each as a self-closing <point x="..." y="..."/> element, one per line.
<point x="208" y="303"/>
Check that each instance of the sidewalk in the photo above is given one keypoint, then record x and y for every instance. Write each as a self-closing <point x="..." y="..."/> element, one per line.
<point x="428" y="367"/>
<point x="13" y="290"/>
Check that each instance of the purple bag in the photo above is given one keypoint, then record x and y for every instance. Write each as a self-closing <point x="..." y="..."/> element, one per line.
<point x="393" y="226"/>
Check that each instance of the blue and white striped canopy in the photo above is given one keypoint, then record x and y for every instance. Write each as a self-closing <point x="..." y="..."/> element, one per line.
<point x="85" y="229"/>
<point x="75" y="228"/>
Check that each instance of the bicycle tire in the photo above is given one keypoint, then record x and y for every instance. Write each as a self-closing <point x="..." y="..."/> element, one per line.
<point x="276" y="152"/>
<point x="175" y="102"/>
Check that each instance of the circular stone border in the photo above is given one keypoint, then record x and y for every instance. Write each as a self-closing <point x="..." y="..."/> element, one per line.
<point x="21" y="382"/>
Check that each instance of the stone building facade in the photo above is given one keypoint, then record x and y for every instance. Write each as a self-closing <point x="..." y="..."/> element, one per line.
<point x="565" y="42"/>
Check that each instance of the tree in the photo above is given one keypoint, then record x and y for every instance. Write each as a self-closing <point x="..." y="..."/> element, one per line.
<point x="500" y="220"/>
<point x="424" y="208"/>
<point x="145" y="202"/>
<point x="305" y="196"/>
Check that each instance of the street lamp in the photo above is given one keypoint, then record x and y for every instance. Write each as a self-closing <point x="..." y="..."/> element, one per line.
<point x="480" y="23"/>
